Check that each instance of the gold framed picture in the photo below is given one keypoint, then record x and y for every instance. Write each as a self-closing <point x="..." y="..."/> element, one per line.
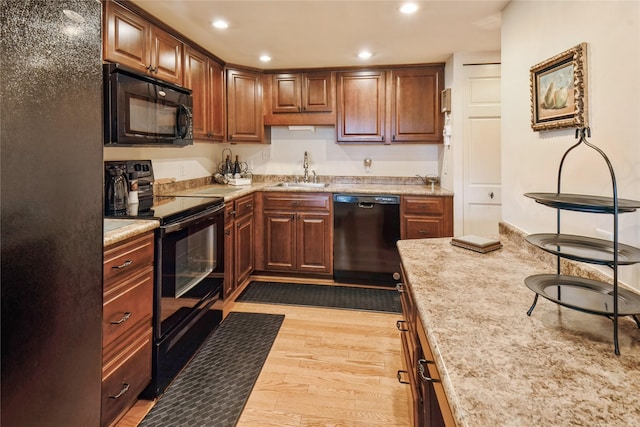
<point x="559" y="91"/>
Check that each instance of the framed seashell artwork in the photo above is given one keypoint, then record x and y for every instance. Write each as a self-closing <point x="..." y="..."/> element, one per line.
<point x="559" y="91"/>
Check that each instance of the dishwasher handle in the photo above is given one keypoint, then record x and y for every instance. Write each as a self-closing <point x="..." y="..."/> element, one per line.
<point x="365" y="205"/>
<point x="367" y="199"/>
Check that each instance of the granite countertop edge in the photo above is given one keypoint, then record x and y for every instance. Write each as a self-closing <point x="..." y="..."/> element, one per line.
<point x="118" y="230"/>
<point x="501" y="367"/>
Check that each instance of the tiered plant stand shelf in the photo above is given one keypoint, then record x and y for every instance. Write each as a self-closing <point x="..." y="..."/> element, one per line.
<point x="578" y="293"/>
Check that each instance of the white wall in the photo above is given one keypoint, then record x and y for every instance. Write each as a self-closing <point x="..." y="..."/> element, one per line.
<point x="533" y="31"/>
<point x="284" y="156"/>
<point x="452" y="157"/>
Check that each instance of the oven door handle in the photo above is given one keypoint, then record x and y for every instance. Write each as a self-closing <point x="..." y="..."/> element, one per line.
<point x="172" y="228"/>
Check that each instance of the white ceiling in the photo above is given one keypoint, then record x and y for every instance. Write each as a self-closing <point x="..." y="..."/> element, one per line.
<point x="330" y="33"/>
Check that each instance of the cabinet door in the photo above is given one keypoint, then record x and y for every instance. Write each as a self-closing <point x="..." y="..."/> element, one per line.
<point x="244" y="249"/>
<point x="216" y="101"/>
<point x="229" y="258"/>
<point x="285" y="95"/>
<point x="415" y="105"/>
<point x="314" y="247"/>
<point x="244" y="106"/>
<point x="195" y="78"/>
<point x="317" y="94"/>
<point x="280" y="242"/>
<point x="166" y="56"/>
<point x="361" y="106"/>
<point x="126" y="38"/>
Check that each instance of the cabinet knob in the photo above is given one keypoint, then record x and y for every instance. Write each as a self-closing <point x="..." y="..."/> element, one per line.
<point x="491" y="195"/>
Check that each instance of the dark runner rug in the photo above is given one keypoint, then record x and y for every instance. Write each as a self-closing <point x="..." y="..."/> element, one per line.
<point x="345" y="297"/>
<point x="214" y="387"/>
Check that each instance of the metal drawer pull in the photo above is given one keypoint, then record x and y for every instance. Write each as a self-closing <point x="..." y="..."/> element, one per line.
<point x="125" y="264"/>
<point x="125" y="388"/>
<point x="421" y="364"/>
<point x="124" y="318"/>
<point x="423" y="231"/>
<point x="400" y="377"/>
<point x="400" y="328"/>
<point x="400" y="287"/>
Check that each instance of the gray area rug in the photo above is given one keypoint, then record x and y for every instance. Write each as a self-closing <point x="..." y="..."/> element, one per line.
<point x="213" y="388"/>
<point x="345" y="297"/>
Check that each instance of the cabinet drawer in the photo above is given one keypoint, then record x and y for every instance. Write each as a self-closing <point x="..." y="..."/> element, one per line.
<point x="125" y="376"/>
<point x="126" y="305"/>
<point x="124" y="258"/>
<point x="244" y="206"/>
<point x="297" y="201"/>
<point x="422" y="228"/>
<point x="423" y="205"/>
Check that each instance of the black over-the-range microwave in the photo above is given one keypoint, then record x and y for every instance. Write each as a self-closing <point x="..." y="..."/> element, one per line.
<point x="140" y="110"/>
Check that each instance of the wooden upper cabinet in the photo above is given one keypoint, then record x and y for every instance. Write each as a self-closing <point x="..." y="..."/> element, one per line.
<point x="244" y="106"/>
<point x="166" y="56"/>
<point x="285" y="93"/>
<point x="205" y="78"/>
<point x="415" y="104"/>
<point x="302" y="92"/>
<point x="126" y="37"/>
<point x="195" y="78"/>
<point x="361" y="106"/>
<point x="317" y="92"/>
<point x="134" y="42"/>
<point x="299" y="99"/>
<point x="216" y="100"/>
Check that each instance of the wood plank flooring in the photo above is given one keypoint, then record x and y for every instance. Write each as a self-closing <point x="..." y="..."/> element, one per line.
<point x="327" y="367"/>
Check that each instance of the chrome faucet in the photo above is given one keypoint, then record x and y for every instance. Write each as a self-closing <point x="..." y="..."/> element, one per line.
<point x="305" y="165"/>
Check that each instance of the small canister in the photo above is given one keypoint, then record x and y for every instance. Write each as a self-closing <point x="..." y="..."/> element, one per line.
<point x="133" y="188"/>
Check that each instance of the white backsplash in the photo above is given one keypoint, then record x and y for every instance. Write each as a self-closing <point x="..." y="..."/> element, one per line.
<point x="285" y="154"/>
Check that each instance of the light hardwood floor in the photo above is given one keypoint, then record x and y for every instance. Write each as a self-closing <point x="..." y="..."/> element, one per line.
<point x="327" y="367"/>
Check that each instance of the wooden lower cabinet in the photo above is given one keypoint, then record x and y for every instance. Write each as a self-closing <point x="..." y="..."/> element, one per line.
<point x="298" y="232"/>
<point x="425" y="217"/>
<point x="239" y="244"/>
<point x="429" y="405"/>
<point x="127" y="324"/>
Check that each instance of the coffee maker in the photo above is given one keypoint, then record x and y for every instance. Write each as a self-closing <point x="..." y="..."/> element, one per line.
<point x="116" y="189"/>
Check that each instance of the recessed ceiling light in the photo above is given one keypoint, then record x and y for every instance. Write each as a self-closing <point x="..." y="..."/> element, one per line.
<point x="408" y="8"/>
<point x="219" y="23"/>
<point x="365" y="54"/>
<point x="265" y="58"/>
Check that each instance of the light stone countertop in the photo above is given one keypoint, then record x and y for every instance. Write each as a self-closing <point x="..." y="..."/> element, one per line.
<point x="500" y="367"/>
<point x="117" y="230"/>
<point x="231" y="193"/>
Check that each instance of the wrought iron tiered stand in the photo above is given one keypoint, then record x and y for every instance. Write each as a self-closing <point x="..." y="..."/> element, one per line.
<point x="578" y="293"/>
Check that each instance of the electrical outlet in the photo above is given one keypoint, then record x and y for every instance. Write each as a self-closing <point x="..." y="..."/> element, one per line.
<point x="266" y="153"/>
<point x="182" y="171"/>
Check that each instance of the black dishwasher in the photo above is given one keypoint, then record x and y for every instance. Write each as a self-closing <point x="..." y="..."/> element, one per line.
<point x="366" y="229"/>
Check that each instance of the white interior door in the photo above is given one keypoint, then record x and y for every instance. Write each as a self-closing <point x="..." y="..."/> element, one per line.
<point x="481" y="164"/>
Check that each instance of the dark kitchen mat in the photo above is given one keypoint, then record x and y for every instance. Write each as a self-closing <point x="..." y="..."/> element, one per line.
<point x="214" y="387"/>
<point x="351" y="298"/>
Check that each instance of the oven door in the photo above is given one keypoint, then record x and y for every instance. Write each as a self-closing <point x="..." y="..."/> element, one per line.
<point x="189" y="271"/>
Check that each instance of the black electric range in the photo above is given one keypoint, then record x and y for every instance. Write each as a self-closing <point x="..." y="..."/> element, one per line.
<point x="188" y="271"/>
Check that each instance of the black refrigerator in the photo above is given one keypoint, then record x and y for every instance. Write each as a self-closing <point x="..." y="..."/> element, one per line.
<point x="51" y="175"/>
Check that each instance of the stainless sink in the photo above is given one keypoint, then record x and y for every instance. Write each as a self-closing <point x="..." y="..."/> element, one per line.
<point x="302" y="184"/>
